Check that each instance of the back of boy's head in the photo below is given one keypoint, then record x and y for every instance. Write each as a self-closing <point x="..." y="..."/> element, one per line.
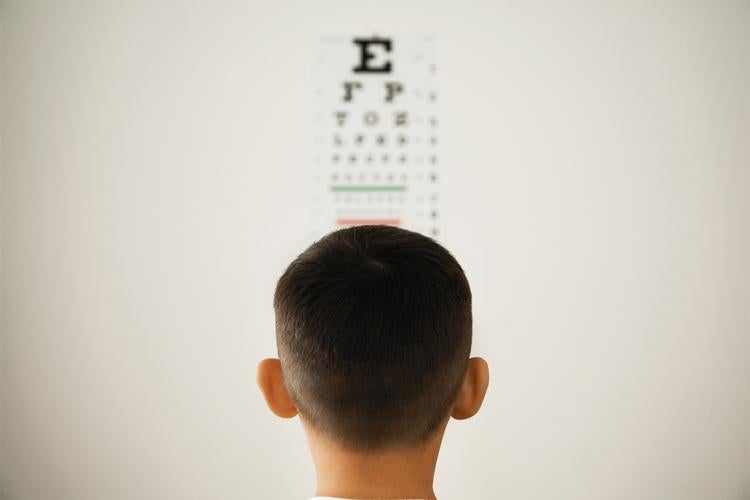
<point x="373" y="328"/>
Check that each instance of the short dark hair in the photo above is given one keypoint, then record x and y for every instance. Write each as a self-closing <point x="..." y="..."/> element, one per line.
<point x="373" y="329"/>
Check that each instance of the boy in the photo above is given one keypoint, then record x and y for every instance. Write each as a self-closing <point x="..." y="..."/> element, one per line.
<point x="373" y="329"/>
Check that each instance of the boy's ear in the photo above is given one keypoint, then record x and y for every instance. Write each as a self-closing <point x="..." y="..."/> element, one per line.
<point x="472" y="392"/>
<point x="271" y="383"/>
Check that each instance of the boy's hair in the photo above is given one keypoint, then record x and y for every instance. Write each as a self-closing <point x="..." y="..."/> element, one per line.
<point x="373" y="328"/>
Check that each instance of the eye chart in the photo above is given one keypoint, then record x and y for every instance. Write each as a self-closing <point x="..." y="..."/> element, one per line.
<point x="376" y="123"/>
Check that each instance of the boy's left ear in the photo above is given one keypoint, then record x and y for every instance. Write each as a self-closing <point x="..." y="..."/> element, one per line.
<point x="271" y="383"/>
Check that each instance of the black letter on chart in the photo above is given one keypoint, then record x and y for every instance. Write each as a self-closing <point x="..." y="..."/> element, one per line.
<point x="366" y="55"/>
<point x="349" y="88"/>
<point x="391" y="89"/>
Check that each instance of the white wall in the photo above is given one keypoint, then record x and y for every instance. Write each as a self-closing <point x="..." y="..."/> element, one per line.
<point x="596" y="173"/>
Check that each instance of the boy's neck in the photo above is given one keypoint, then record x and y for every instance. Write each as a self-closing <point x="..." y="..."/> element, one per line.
<point x="402" y="474"/>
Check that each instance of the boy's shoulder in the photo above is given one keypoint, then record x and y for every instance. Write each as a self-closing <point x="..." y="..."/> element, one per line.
<point x="342" y="498"/>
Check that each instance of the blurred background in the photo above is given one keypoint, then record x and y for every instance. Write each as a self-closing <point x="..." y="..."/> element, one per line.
<point x="155" y="162"/>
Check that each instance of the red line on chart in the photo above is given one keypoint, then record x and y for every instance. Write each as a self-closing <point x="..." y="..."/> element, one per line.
<point x="351" y="222"/>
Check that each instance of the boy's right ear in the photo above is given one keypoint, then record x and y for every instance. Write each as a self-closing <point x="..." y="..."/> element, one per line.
<point x="471" y="394"/>
<point x="271" y="383"/>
